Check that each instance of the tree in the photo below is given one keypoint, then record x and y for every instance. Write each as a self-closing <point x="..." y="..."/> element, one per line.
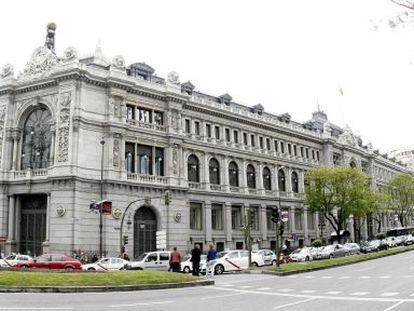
<point x="401" y="192"/>
<point x="381" y="207"/>
<point x="338" y="192"/>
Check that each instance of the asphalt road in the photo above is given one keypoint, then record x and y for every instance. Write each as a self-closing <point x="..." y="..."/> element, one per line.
<point x="384" y="284"/>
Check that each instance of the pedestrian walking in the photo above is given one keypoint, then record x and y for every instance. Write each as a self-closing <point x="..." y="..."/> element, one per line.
<point x="175" y="259"/>
<point x="195" y="259"/>
<point x="211" y="260"/>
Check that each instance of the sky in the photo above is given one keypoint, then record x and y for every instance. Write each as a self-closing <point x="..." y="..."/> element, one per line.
<point x="290" y="56"/>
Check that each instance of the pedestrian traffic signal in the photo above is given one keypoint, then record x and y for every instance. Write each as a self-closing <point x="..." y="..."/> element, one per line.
<point x="106" y="207"/>
<point x="167" y="197"/>
<point x="125" y="239"/>
<point x="275" y="215"/>
<point x="281" y="229"/>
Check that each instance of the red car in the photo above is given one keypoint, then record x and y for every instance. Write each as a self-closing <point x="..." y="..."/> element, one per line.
<point x="50" y="261"/>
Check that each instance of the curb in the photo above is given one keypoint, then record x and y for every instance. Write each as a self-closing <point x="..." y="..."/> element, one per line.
<point x="287" y="273"/>
<point x="92" y="289"/>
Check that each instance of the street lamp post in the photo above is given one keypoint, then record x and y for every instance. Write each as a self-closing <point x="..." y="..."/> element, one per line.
<point x="100" y="210"/>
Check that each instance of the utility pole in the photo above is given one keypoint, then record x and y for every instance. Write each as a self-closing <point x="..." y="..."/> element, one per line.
<point x="249" y="235"/>
<point x="100" y="209"/>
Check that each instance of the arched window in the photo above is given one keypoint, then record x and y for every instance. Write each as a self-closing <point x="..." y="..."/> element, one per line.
<point x="193" y="168"/>
<point x="36" y="140"/>
<point x="281" y="180"/>
<point x="214" y="170"/>
<point x="267" y="179"/>
<point x="295" y="182"/>
<point x="251" y="176"/>
<point x="233" y="174"/>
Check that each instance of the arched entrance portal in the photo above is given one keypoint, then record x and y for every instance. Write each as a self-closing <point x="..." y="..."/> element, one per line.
<point x="145" y="230"/>
<point x="32" y="224"/>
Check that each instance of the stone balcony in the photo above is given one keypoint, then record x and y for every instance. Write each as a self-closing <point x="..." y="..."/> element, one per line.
<point x="147" y="125"/>
<point x="147" y="179"/>
<point x="30" y="173"/>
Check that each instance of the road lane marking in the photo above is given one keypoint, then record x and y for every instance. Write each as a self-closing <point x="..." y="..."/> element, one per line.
<point x="229" y="285"/>
<point x="333" y="292"/>
<point x="139" y="304"/>
<point x="221" y="296"/>
<point x="394" y="306"/>
<point x="385" y="277"/>
<point x="359" y="294"/>
<point x="264" y="288"/>
<point x="326" y="277"/>
<point x="309" y="277"/>
<point x="293" y="303"/>
<point x="308" y="291"/>
<point x="365" y="277"/>
<point x="36" y="308"/>
<point x="245" y="286"/>
<point x="285" y="290"/>
<point x="389" y="294"/>
<point x="344" y="277"/>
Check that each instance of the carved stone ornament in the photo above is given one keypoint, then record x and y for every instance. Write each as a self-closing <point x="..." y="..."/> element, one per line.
<point x="41" y="63"/>
<point x="327" y="132"/>
<point x="2" y="113"/>
<point x="117" y="106"/>
<point x="70" y="55"/>
<point x="173" y="77"/>
<point x="116" y="152"/>
<point x="63" y="128"/>
<point x="347" y="137"/>
<point x="116" y="213"/>
<point x="60" y="211"/>
<point x="7" y="71"/>
<point x="1" y="142"/>
<point x="118" y="62"/>
<point x="177" y="217"/>
<point x="175" y="160"/>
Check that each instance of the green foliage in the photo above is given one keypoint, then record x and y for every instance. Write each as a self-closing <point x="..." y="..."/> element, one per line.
<point x="380" y="235"/>
<point x="338" y="192"/>
<point x="317" y="243"/>
<point x="401" y="193"/>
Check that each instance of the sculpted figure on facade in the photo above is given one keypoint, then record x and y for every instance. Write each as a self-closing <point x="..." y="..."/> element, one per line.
<point x="116" y="106"/>
<point x="2" y="113"/>
<point x="41" y="63"/>
<point x="63" y="128"/>
<point x="118" y="62"/>
<point x="175" y="160"/>
<point x="327" y="132"/>
<point x="7" y="71"/>
<point x="116" y="151"/>
<point x="173" y="77"/>
<point x="70" y="55"/>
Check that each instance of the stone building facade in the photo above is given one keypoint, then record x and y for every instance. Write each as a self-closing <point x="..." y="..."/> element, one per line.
<point x="219" y="159"/>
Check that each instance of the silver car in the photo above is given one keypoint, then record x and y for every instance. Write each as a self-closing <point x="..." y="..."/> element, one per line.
<point x="333" y="251"/>
<point x="353" y="248"/>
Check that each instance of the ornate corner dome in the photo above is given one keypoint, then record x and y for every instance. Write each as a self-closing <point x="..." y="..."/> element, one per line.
<point x="187" y="88"/>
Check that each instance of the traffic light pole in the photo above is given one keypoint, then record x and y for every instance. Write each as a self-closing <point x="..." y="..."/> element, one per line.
<point x="277" y="245"/>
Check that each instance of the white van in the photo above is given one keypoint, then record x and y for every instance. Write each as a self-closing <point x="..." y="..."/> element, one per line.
<point x="152" y="260"/>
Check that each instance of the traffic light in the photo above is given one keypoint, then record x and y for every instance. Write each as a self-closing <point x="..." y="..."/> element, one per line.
<point x="251" y="214"/>
<point x="275" y="215"/>
<point x="167" y="197"/>
<point x="125" y="239"/>
<point x="106" y="207"/>
<point x="281" y="229"/>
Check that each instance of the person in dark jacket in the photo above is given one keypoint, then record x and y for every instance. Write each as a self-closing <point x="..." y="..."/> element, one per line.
<point x="195" y="259"/>
<point x="211" y="260"/>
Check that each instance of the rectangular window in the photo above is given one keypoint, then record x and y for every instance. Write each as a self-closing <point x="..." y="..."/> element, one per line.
<point x="236" y="220"/>
<point x="208" y="130"/>
<point x="301" y="152"/>
<point x="144" y="154"/>
<point x="311" y="221"/>
<point x="144" y="115"/>
<point x="252" y="141"/>
<point x="307" y="153"/>
<point x="158" y="118"/>
<point x="197" y="128"/>
<point x="282" y="147"/>
<point x="187" y="126"/>
<point x="245" y="139"/>
<point x="268" y="143"/>
<point x="261" y="142"/>
<point x="270" y="224"/>
<point x="130" y="112"/>
<point x="159" y="161"/>
<point x="295" y="150"/>
<point x="196" y="216"/>
<point x="298" y="220"/>
<point x="255" y="220"/>
<point x="217" y="132"/>
<point x="236" y="136"/>
<point x="276" y="146"/>
<point x="289" y="148"/>
<point x="313" y="154"/>
<point x="217" y="217"/>
<point x="227" y="131"/>
<point x="130" y="157"/>
<point x="317" y="155"/>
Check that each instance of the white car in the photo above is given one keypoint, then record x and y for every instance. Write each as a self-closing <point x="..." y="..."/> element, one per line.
<point x="269" y="256"/>
<point x="105" y="264"/>
<point x="236" y="260"/>
<point x="8" y="261"/>
<point x="353" y="248"/>
<point x="187" y="265"/>
<point x="301" y="254"/>
<point x="390" y="241"/>
<point x="151" y="260"/>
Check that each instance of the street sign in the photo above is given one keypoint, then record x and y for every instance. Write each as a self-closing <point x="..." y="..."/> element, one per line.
<point x="161" y="237"/>
<point x="285" y="216"/>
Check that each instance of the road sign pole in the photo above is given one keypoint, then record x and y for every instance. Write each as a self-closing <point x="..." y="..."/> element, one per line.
<point x="277" y="246"/>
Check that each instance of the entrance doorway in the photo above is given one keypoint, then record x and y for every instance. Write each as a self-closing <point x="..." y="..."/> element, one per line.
<point x="32" y="224"/>
<point x="145" y="231"/>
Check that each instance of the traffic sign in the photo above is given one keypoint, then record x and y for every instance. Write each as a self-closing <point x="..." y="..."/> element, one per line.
<point x="161" y="237"/>
<point x="285" y="216"/>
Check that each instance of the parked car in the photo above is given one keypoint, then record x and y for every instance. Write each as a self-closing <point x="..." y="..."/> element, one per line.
<point x="269" y="256"/>
<point x="105" y="264"/>
<point x="353" y="248"/>
<point x="301" y="254"/>
<point x="187" y="264"/>
<point x="390" y="241"/>
<point x="236" y="260"/>
<point x="400" y="240"/>
<point x="370" y="246"/>
<point x="332" y="251"/>
<point x="409" y="240"/>
<point x="150" y="260"/>
<point x="7" y="262"/>
<point x="316" y="252"/>
<point x="50" y="261"/>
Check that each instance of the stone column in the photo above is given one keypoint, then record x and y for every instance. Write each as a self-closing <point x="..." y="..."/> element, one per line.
<point x="263" y="222"/>
<point x="11" y="232"/>
<point x="52" y="144"/>
<point x="301" y="176"/>
<point x="288" y="181"/>
<point x="275" y="180"/>
<point x="15" y="148"/>
<point x="305" y="226"/>
<point x="228" y="228"/>
<point x="316" y="219"/>
<point x="292" y="218"/>
<point x="206" y="178"/>
<point x="17" y="217"/>
<point x="259" y="178"/>
<point x="351" y="228"/>
<point x="207" y="221"/>
<point x="243" y="179"/>
<point x="225" y="174"/>
<point x="243" y="214"/>
<point x="48" y="211"/>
